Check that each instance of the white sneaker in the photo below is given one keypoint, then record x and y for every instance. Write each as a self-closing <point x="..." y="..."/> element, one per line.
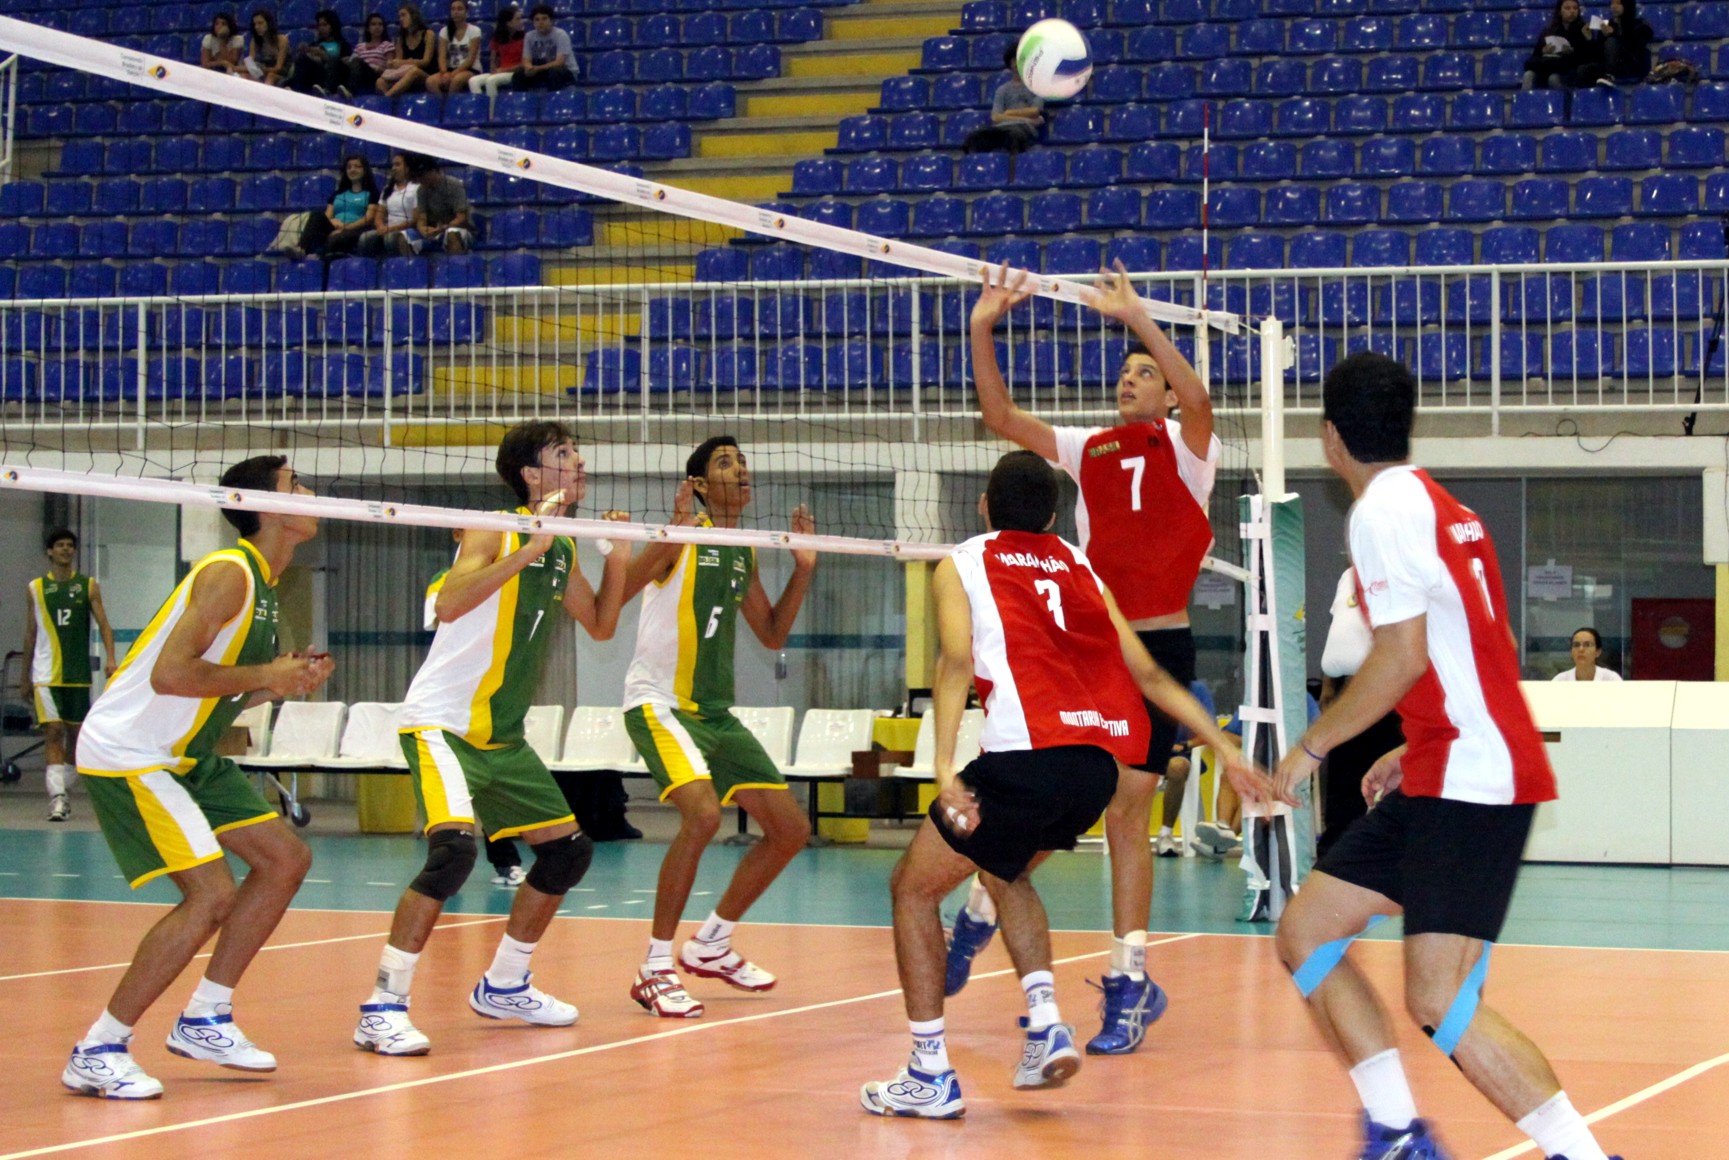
<point x="915" y="1093"/>
<point x="1213" y="840"/>
<point x="661" y="993"/>
<point x="216" y="1039"/>
<point x="59" y="809"/>
<point x="728" y="965"/>
<point x="385" y="1029"/>
<point x="515" y="876"/>
<point x="1048" y="1057"/>
<point x="108" y="1071"/>
<point x="1165" y="846"/>
<point x="523" y="1001"/>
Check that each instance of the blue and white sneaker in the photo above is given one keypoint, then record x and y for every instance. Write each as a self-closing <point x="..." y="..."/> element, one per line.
<point x="915" y="1093"/>
<point x="1126" y="1008"/>
<point x="1412" y="1143"/>
<point x="1048" y="1058"/>
<point x="524" y="1001"/>
<point x="385" y="1028"/>
<point x="215" y="1039"/>
<point x="108" y="1071"/>
<point x="969" y="936"/>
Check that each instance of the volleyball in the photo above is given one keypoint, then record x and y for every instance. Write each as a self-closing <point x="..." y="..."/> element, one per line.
<point x="1054" y="60"/>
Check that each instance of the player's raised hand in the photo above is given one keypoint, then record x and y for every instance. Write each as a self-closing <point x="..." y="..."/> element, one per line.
<point x="1002" y="288"/>
<point x="1113" y="295"/>
<point x="803" y="524"/>
<point x="615" y="516"/>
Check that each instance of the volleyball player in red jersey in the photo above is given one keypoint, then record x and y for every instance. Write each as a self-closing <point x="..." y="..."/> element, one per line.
<point x="1142" y="520"/>
<point x="1021" y="614"/>
<point x="1444" y="842"/>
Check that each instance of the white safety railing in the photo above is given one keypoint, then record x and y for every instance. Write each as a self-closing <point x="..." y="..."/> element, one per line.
<point x="1490" y="340"/>
<point x="8" y="115"/>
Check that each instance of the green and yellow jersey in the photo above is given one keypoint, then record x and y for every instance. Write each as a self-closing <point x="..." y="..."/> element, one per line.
<point x="684" y="636"/>
<point x="62" y="612"/>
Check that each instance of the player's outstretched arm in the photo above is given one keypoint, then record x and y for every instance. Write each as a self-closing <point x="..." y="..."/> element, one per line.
<point x="25" y="687"/>
<point x="773" y="623"/>
<point x="1115" y="297"/>
<point x="598" y="613"/>
<point x="479" y="571"/>
<point x="999" y="293"/>
<point x="219" y="596"/>
<point x="655" y="562"/>
<point x="949" y="691"/>
<point x="100" y="612"/>
<point x="1396" y="661"/>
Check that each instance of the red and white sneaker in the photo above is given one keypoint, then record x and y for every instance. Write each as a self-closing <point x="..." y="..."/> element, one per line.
<point x="660" y="993"/>
<point x="728" y="965"/>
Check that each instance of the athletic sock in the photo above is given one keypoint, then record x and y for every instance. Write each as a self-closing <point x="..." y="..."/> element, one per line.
<point x="659" y="954"/>
<point x="716" y="932"/>
<point x="207" y="998"/>
<point x="1166" y="832"/>
<point x="58" y="777"/>
<point x="510" y="964"/>
<point x="395" y="973"/>
<point x="1129" y="955"/>
<point x="980" y="904"/>
<point x="1041" y="992"/>
<point x="1559" y="1130"/>
<point x="930" y="1048"/>
<point x="1384" y="1090"/>
<point x="107" y="1029"/>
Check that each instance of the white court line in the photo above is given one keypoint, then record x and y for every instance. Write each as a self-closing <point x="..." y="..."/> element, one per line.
<point x="688" y="1029"/>
<point x="1622" y="1105"/>
<point x="317" y="942"/>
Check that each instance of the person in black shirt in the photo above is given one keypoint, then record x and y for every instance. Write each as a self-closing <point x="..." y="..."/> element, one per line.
<point x="1567" y="52"/>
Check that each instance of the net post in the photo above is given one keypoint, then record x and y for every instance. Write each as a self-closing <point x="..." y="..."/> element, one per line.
<point x="142" y="382"/>
<point x="1272" y="408"/>
<point x="1495" y="352"/>
<point x="385" y="363"/>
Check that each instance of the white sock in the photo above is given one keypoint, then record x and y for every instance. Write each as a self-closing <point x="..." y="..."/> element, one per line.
<point x="1041" y="991"/>
<point x="58" y="778"/>
<point x="1384" y="1090"/>
<point x="510" y="964"/>
<point x="1129" y="955"/>
<point x="930" y="1049"/>
<point x="395" y="972"/>
<point x="980" y="904"/>
<point x="107" y="1030"/>
<point x="659" y="954"/>
<point x="1561" y="1131"/>
<point x="1165" y="832"/>
<point x="716" y="932"/>
<point x="207" y="998"/>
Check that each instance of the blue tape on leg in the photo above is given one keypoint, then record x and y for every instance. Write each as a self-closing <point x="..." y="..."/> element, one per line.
<point x="1464" y="1007"/>
<point x="1320" y="964"/>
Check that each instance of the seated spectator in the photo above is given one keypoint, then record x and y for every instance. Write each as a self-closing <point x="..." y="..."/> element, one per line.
<point x="1626" y="44"/>
<point x="1587" y="650"/>
<point x="506" y="53"/>
<point x="319" y="68"/>
<point x="416" y="54"/>
<point x="370" y="57"/>
<point x="392" y="230"/>
<point x="350" y="214"/>
<point x="268" y="59"/>
<point x="1567" y="55"/>
<point x="222" y="47"/>
<point x="548" y="62"/>
<point x="1016" y="116"/>
<point x="458" y="52"/>
<point x="441" y="214"/>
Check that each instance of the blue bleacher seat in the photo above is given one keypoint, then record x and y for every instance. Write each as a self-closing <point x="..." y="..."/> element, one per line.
<point x="1074" y="256"/>
<point x="79" y="158"/>
<point x="998" y="213"/>
<point x="1312" y="37"/>
<point x="900" y="94"/>
<point x="1245" y="119"/>
<point x="1095" y="165"/>
<point x="1520" y="356"/>
<point x="1263" y="37"/>
<point x="1711" y="100"/>
<point x="713" y="101"/>
<point x="1669" y="195"/>
<point x="1537" y="198"/>
<point x="14" y="240"/>
<point x="1695" y="146"/>
<point x="1656" y="105"/>
<point x="1234" y="206"/>
<point x="1328" y="158"/>
<point x="912" y="131"/>
<point x="1506" y="245"/>
<point x="1633" y="149"/>
<point x="21" y="198"/>
<point x="1167" y="80"/>
<point x="1282" y="78"/>
<point x="1508" y="153"/>
<point x="1381" y="248"/>
<point x="1153" y="161"/>
<point x="1076" y="125"/>
<point x="953" y="91"/>
<point x="1414" y="202"/>
<point x="1387" y="157"/>
<point x="1612" y="297"/>
<point x="829" y="213"/>
<point x="938" y="216"/>
<point x="1113" y="84"/>
<point x="1391" y="74"/>
<point x="1537" y="109"/>
<point x="1418" y="112"/>
<point x="131" y="155"/>
<point x="1572" y="151"/>
<point x="862" y="133"/>
<point x="524" y="270"/>
<point x="1477" y="200"/>
<point x="1360" y="114"/>
<point x="1039" y="169"/>
<point x="1269" y="161"/>
<point x="932" y="172"/>
<point x="1537" y="298"/>
<point x="1597" y="105"/>
<point x="106" y="239"/>
<point x="1303" y="117"/>
<point x="615" y="143"/>
<point x="816" y="176"/>
<point x="884" y="217"/>
<point x="154" y="238"/>
<point x="1137" y="253"/>
<point x="1639" y="242"/>
<point x="1445" y="246"/>
<point x="1173" y="208"/>
<point x="1231" y="77"/>
<point x="1573" y="243"/>
<point x="983" y="171"/>
<point x="1317" y="250"/>
<point x="777" y="263"/>
<point x="115" y="195"/>
<point x="1353" y="203"/>
<point x="1701" y="241"/>
<point x="1476" y="110"/>
<point x="1443" y="355"/>
<point x="1650" y="351"/>
<point x="1204" y="41"/>
<point x="1369" y="34"/>
<point x="872" y="175"/>
<point x="1337" y="75"/>
<point x="1185" y="118"/>
<point x="54" y="240"/>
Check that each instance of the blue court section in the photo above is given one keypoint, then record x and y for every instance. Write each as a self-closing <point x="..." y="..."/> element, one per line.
<point x="1608" y="906"/>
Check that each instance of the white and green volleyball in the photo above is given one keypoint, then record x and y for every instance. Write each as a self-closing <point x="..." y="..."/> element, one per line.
<point x="1054" y="60"/>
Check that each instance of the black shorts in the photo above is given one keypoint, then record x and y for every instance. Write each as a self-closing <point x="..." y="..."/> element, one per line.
<point x="1174" y="650"/>
<point x="1450" y="865"/>
<point x="1030" y="800"/>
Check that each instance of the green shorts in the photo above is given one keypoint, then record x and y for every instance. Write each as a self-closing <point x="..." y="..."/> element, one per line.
<point x="510" y="787"/>
<point x="68" y="703"/>
<point x="162" y="823"/>
<point x="681" y="747"/>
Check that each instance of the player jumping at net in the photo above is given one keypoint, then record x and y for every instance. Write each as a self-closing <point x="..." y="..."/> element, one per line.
<point x="678" y="697"/>
<point x="57" y="659"/>
<point x="167" y="804"/>
<point x="462" y="733"/>
<point x="1141" y="516"/>
<point x="1456" y="802"/>
<point x="1021" y="614"/>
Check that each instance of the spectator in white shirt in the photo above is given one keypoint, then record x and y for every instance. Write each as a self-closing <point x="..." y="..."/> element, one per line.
<point x="1587" y="650"/>
<point x="395" y="234"/>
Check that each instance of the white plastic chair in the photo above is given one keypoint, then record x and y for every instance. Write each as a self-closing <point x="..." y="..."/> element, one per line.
<point x="305" y="733"/>
<point x="923" y="767"/>
<point x="369" y="740"/>
<point x="772" y="726"/>
<point x="256" y="722"/>
<point x="827" y="739"/>
<point x="541" y="727"/>
<point x="596" y="740"/>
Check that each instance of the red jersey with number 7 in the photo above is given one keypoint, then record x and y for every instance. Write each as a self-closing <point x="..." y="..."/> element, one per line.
<point x="1142" y="512"/>
<point x="1420" y="552"/>
<point x="1047" y="659"/>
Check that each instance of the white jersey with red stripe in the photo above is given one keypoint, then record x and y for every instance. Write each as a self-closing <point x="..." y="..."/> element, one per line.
<point x="1420" y="552"/>
<point x="1142" y="483"/>
<point x="1047" y="659"/>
